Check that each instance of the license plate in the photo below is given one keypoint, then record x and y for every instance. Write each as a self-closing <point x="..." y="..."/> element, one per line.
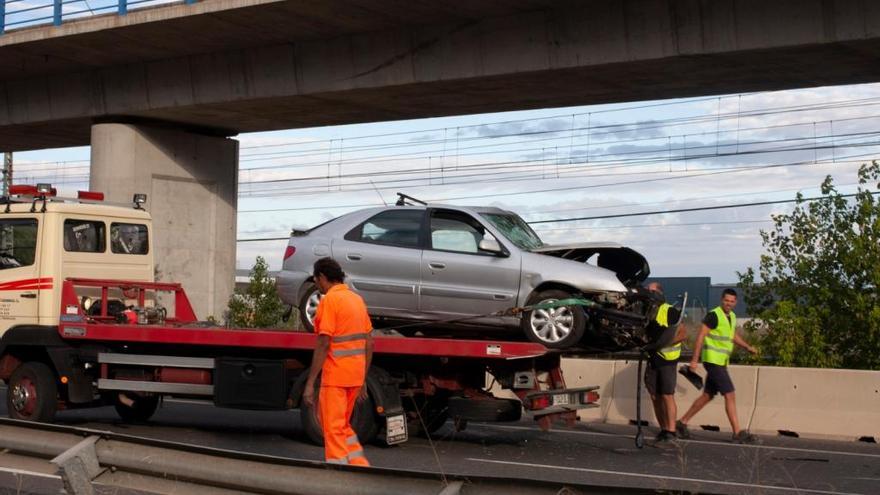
<point x="395" y="427"/>
<point x="561" y="400"/>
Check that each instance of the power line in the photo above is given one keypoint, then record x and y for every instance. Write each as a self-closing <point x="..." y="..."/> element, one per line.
<point x="701" y="208"/>
<point x="652" y="225"/>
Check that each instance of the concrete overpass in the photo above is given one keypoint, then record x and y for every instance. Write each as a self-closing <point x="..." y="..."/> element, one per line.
<point x="166" y="86"/>
<point x="229" y="66"/>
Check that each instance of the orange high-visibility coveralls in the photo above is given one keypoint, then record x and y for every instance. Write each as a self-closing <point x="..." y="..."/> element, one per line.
<point x="342" y="315"/>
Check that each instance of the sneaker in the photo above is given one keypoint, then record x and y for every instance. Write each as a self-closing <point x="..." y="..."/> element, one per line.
<point x="746" y="438"/>
<point x="681" y="430"/>
<point x="666" y="440"/>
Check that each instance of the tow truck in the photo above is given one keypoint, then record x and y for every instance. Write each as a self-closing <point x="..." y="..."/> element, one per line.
<point x="83" y="324"/>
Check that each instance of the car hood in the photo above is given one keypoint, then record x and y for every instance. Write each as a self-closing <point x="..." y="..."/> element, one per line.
<point x="629" y="265"/>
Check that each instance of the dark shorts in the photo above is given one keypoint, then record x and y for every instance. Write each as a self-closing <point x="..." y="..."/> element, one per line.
<point x="717" y="380"/>
<point x="660" y="376"/>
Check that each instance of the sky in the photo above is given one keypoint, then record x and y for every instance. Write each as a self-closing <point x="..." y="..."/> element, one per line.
<point x="556" y="164"/>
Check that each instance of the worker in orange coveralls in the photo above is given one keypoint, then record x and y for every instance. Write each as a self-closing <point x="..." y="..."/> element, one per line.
<point x="342" y="356"/>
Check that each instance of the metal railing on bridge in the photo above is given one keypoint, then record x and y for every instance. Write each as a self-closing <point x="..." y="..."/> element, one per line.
<point x="17" y="14"/>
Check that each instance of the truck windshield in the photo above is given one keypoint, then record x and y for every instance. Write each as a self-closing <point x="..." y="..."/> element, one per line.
<point x="515" y="229"/>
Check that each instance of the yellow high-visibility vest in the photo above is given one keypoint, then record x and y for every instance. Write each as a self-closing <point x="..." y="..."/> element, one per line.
<point x="719" y="341"/>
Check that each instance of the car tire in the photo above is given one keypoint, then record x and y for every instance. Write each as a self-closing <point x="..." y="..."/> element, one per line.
<point x="141" y="411"/>
<point x="364" y="420"/>
<point x="308" y="304"/>
<point x="32" y="393"/>
<point x="559" y="328"/>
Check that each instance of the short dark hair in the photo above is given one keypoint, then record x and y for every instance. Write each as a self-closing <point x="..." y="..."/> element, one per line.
<point x="330" y="269"/>
<point x="728" y="292"/>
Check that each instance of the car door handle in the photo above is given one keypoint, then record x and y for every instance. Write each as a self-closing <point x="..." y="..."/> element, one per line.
<point x="437" y="266"/>
<point x="354" y="257"/>
<point x="29" y="295"/>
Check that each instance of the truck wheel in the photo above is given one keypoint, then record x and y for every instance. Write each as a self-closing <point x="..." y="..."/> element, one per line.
<point x="32" y="394"/>
<point x="308" y="306"/>
<point x="489" y="409"/>
<point x="364" y="420"/>
<point x="556" y="328"/>
<point x="433" y="411"/>
<point x="140" y="411"/>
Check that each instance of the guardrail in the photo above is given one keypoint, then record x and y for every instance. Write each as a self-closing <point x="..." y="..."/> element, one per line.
<point x="17" y="14"/>
<point x="87" y="458"/>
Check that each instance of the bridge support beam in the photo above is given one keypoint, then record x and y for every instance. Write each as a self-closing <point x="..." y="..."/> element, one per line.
<point x="191" y="181"/>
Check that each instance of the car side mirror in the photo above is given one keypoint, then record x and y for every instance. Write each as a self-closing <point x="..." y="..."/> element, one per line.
<point x="491" y="246"/>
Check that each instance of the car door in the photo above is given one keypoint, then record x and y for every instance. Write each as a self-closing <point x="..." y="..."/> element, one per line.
<point x="381" y="258"/>
<point x="458" y="278"/>
<point x="20" y="281"/>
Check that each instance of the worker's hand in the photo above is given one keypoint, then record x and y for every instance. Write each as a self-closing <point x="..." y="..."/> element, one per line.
<point x="752" y="350"/>
<point x="362" y="396"/>
<point x="693" y="366"/>
<point x="309" y="395"/>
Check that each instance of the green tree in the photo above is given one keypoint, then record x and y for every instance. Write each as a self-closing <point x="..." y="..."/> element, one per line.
<point x="259" y="305"/>
<point x="815" y="293"/>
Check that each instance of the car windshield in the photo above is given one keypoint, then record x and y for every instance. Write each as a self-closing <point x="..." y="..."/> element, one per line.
<point x="515" y="229"/>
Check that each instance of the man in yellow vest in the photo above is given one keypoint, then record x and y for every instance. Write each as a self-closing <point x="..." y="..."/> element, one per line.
<point x="660" y="373"/>
<point x="714" y="345"/>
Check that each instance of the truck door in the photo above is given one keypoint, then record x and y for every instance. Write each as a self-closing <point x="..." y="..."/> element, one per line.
<point x="20" y="280"/>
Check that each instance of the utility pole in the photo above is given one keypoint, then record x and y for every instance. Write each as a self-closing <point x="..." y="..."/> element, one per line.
<point x="7" y="172"/>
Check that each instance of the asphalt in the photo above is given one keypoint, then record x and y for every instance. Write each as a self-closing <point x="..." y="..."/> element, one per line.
<point x="588" y="454"/>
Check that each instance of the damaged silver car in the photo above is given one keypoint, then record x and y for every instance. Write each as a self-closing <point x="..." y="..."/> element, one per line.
<point x="436" y="264"/>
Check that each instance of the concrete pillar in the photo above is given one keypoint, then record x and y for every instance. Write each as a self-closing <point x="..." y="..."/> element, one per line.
<point x="191" y="182"/>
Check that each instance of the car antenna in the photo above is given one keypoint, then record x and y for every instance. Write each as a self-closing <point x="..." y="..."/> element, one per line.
<point x="402" y="200"/>
<point x="380" y="194"/>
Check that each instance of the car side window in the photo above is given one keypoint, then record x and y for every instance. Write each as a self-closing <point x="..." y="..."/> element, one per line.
<point x="457" y="232"/>
<point x="400" y="228"/>
<point x="129" y="238"/>
<point x="84" y="236"/>
<point x="18" y="242"/>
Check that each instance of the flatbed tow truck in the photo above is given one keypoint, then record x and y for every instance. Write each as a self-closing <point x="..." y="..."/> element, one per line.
<point x="132" y="342"/>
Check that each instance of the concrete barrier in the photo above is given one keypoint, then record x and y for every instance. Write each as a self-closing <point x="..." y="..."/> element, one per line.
<point x="818" y="403"/>
<point x="622" y="409"/>
<point x="589" y="372"/>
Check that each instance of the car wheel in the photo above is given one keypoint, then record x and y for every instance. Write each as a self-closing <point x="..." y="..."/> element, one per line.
<point x="308" y="306"/>
<point x="555" y="328"/>
<point x="32" y="394"/>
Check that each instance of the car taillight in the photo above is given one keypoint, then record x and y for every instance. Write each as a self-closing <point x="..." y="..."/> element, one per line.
<point x="590" y="397"/>
<point x="289" y="252"/>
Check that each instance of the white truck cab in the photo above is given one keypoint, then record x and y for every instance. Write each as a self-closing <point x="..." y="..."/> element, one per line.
<point x="45" y="240"/>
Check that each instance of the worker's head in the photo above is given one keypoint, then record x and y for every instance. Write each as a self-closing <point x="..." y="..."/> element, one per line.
<point x="728" y="300"/>
<point x="327" y="273"/>
<point x="655" y="288"/>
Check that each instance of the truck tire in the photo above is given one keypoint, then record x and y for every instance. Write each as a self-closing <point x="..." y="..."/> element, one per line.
<point x="557" y="328"/>
<point x="308" y="304"/>
<point x="142" y="410"/>
<point x="32" y="394"/>
<point x="364" y="420"/>
<point x="468" y="409"/>
<point x="426" y="416"/>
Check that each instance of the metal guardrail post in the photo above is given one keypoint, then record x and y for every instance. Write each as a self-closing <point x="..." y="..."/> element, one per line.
<point x="56" y="13"/>
<point x="123" y="7"/>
